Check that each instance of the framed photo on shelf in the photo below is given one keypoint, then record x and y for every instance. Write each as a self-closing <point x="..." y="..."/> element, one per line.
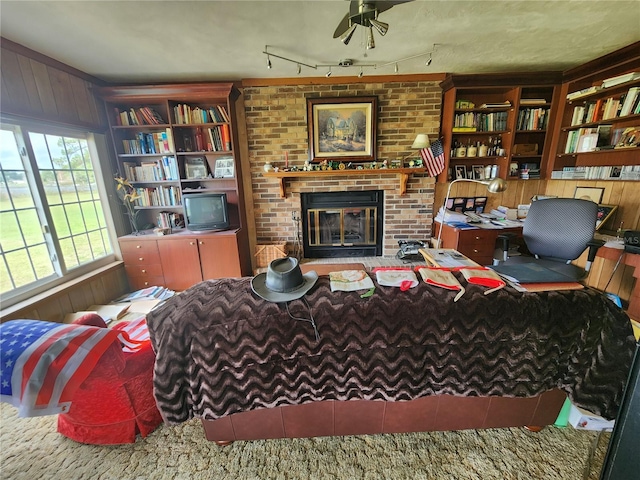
<point x="461" y="172"/>
<point x="478" y="172"/>
<point x="342" y="129"/>
<point x="224" y="168"/>
<point x="589" y="193"/>
<point x="605" y="212"/>
<point x="195" y="167"/>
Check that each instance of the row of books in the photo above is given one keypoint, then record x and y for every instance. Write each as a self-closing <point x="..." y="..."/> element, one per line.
<point x="625" y="172"/>
<point x="608" y="108"/>
<point x="533" y="119"/>
<point x="159" y="196"/>
<point x="139" y="116"/>
<point x="480" y="122"/>
<point x="156" y="142"/>
<point x="218" y="139"/>
<point x="186" y="114"/>
<point x="602" y="137"/>
<point x="165" y="168"/>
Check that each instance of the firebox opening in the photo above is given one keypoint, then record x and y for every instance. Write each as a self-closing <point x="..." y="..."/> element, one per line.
<point x="342" y="224"/>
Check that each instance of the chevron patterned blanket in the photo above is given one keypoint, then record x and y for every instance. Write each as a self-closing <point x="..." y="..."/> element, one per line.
<point x="221" y="349"/>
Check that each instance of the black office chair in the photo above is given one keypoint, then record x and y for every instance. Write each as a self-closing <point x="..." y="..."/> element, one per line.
<point x="556" y="232"/>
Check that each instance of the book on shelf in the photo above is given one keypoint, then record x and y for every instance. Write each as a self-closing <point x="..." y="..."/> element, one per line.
<point x="629" y="101"/>
<point x="617" y="80"/>
<point x="584" y="92"/>
<point x="532" y="101"/>
<point x="604" y="137"/>
<point x="138" y="116"/>
<point x="505" y="104"/>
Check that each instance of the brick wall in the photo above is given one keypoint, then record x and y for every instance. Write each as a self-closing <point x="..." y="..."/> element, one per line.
<point x="276" y="119"/>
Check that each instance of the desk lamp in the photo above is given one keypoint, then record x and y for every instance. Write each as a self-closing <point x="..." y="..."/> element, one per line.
<point x="495" y="185"/>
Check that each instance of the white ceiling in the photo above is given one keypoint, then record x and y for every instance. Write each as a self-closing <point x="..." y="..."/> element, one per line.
<point x="180" y="41"/>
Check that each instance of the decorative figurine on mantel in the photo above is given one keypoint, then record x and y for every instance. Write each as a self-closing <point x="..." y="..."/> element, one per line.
<point x="307" y="166"/>
<point x="268" y="167"/>
<point x="384" y="164"/>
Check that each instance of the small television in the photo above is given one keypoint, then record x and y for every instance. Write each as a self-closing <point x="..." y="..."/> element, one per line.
<point x="206" y="211"/>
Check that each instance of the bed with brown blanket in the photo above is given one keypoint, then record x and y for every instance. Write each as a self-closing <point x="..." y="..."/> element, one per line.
<point x="395" y="361"/>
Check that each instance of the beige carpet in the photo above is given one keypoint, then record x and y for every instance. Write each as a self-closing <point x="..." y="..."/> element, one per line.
<point x="32" y="450"/>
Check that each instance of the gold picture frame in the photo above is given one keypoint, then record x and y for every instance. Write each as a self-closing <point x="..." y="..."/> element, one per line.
<point x="342" y="129"/>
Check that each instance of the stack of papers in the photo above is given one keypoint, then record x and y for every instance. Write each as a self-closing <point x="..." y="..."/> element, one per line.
<point x="350" y="280"/>
<point x="450" y="216"/>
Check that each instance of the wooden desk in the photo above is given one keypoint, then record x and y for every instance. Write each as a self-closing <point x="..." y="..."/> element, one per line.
<point x="478" y="244"/>
<point x="632" y="260"/>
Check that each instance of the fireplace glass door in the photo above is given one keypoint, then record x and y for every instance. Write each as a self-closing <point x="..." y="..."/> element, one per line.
<point x="341" y="227"/>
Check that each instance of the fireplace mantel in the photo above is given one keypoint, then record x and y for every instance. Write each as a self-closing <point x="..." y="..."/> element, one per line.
<point x="403" y="175"/>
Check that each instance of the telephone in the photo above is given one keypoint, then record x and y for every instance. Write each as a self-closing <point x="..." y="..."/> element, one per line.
<point x="409" y="248"/>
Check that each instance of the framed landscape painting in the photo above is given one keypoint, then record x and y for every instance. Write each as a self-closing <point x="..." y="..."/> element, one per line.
<point x="342" y="129"/>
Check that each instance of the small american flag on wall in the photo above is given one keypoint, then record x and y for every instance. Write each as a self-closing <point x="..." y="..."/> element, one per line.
<point x="433" y="157"/>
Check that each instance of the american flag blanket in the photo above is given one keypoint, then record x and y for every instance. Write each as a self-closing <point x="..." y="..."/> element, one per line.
<point x="43" y="363"/>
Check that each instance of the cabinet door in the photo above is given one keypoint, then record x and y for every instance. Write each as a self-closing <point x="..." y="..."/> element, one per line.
<point x="219" y="256"/>
<point x="180" y="262"/>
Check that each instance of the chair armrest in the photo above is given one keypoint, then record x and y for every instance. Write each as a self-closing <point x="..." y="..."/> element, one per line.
<point x="503" y="240"/>
<point x="593" y="245"/>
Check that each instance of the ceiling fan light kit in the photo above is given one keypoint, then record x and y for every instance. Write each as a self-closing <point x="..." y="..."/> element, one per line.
<point x="364" y="13"/>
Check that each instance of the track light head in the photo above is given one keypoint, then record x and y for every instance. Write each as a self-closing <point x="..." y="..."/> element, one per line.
<point x="299" y="69"/>
<point x="381" y="27"/>
<point x="328" y="74"/>
<point x="371" y="43"/>
<point x="429" y="60"/>
<point x="346" y="36"/>
<point x="361" y="73"/>
<point x="395" y="69"/>
<point x="269" y="62"/>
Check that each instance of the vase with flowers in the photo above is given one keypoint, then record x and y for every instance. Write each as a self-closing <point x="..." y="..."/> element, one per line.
<point x="128" y="196"/>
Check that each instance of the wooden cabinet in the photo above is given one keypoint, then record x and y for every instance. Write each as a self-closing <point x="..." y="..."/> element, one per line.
<point x="142" y="263"/>
<point x="181" y="260"/>
<point x="592" y="120"/>
<point x="496" y="125"/>
<point x="477" y="244"/>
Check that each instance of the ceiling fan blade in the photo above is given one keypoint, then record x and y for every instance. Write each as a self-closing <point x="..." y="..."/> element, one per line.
<point x="343" y="26"/>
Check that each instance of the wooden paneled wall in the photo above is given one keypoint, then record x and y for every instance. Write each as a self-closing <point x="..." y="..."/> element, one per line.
<point x="97" y="288"/>
<point x="38" y="87"/>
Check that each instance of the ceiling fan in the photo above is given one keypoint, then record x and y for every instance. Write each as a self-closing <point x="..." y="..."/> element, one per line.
<point x="364" y="13"/>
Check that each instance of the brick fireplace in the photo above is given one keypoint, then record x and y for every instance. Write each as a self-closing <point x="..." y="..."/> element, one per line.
<point x="276" y="123"/>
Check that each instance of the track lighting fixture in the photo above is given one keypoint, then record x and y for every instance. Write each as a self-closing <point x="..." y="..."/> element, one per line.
<point x="381" y="27"/>
<point x="371" y="43"/>
<point x="348" y="62"/>
<point x="346" y="36"/>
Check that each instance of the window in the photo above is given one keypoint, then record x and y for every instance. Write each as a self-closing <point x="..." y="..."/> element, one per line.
<point x="52" y="222"/>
